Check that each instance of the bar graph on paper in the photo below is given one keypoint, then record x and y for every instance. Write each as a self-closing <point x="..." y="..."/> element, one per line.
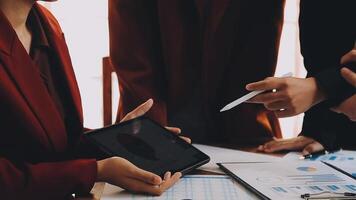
<point x="339" y="156"/>
<point x="197" y="188"/>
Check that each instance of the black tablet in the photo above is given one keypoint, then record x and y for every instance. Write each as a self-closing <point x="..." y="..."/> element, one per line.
<point x="149" y="146"/>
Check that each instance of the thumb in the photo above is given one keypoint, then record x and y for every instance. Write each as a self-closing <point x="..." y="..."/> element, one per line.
<point x="139" y="111"/>
<point x="174" y="130"/>
<point x="312" y="148"/>
<point x="349" y="57"/>
<point x="335" y="109"/>
<point x="349" y="75"/>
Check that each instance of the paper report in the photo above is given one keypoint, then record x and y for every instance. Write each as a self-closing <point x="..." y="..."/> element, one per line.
<point x="289" y="180"/>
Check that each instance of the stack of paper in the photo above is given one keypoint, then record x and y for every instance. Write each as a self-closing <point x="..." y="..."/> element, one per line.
<point x="291" y="179"/>
<point x="219" y="155"/>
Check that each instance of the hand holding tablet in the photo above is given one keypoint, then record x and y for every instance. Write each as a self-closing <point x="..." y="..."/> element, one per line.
<point x="148" y="146"/>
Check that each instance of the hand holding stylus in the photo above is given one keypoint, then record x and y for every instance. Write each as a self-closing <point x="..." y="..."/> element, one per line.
<point x="288" y="96"/>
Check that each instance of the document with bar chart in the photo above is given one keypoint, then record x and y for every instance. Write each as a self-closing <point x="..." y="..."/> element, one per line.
<point x="347" y="166"/>
<point x="194" y="187"/>
<point x="339" y="156"/>
<point x="289" y="180"/>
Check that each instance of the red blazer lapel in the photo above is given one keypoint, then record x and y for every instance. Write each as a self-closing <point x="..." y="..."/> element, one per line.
<point x="57" y="40"/>
<point x="26" y="77"/>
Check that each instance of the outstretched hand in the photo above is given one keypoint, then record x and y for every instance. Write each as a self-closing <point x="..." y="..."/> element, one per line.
<point x="302" y="143"/>
<point x="287" y="96"/>
<point x="120" y="172"/>
<point x="139" y="111"/>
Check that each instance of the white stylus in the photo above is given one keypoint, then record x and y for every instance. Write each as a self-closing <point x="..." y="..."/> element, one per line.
<point x="248" y="96"/>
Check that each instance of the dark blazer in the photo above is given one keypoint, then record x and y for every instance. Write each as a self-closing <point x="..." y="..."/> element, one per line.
<point x="155" y="44"/>
<point x="37" y="161"/>
<point x="327" y="32"/>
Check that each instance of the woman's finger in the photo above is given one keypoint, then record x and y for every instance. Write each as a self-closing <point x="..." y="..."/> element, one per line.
<point x="137" y="186"/>
<point x="288" y="144"/>
<point x="174" y="129"/>
<point x="312" y="148"/>
<point x="188" y="140"/>
<point x="279" y="146"/>
<point x="349" y="75"/>
<point x="167" y="176"/>
<point x="145" y="176"/>
<point x="178" y="131"/>
<point x="285" y="112"/>
<point x="276" y="106"/>
<point x="267" y="97"/>
<point x="139" y="111"/>
<point x="170" y="182"/>
<point x="142" y="187"/>
<point x="336" y="109"/>
<point x="349" y="57"/>
<point x="267" y="84"/>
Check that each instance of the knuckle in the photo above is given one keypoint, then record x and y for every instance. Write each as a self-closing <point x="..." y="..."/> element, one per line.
<point x="285" y="95"/>
<point x="353" y="54"/>
<point x="132" y="170"/>
<point x="269" y="145"/>
<point x="130" y="114"/>
<point x="189" y="140"/>
<point x="268" y="106"/>
<point x="353" y="117"/>
<point x="114" y="159"/>
<point x="292" y="108"/>
<point x="288" y="95"/>
<point x="311" y="148"/>
<point x="273" y="95"/>
<point x="135" y="188"/>
<point x="262" y="98"/>
<point x="157" y="191"/>
<point x="160" y="192"/>
<point x="284" y="83"/>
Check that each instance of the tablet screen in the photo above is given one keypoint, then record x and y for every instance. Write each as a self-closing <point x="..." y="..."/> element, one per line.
<point x="148" y="146"/>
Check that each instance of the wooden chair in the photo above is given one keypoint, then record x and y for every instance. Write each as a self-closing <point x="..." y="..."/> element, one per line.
<point x="107" y="91"/>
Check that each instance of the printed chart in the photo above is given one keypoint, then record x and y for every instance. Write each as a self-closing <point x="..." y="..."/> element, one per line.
<point x="196" y="187"/>
<point x="340" y="156"/>
<point x="290" y="180"/>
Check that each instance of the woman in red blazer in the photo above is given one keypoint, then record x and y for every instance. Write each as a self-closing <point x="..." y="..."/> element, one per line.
<point x="42" y="153"/>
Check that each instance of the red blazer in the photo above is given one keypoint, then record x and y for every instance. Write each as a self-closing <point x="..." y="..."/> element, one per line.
<point x="154" y="42"/>
<point x="36" y="161"/>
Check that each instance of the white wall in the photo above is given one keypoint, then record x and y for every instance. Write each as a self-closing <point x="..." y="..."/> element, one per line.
<point x="290" y="60"/>
<point x="84" y="23"/>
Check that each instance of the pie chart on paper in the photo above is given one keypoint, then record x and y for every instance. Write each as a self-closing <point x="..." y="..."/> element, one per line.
<point x="307" y="169"/>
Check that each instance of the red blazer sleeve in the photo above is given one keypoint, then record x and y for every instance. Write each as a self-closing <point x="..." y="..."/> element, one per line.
<point x="135" y="54"/>
<point x="46" y="180"/>
<point x="85" y="149"/>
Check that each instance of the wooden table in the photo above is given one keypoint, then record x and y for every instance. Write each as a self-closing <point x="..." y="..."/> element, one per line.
<point x="98" y="188"/>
